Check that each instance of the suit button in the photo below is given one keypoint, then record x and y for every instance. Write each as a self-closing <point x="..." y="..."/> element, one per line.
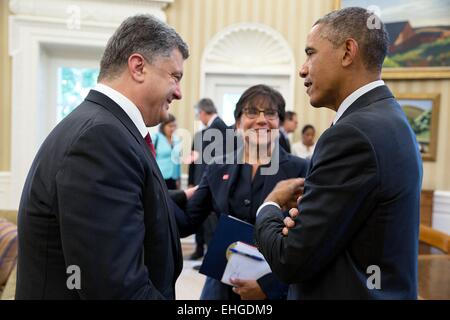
<point x="247" y="202"/>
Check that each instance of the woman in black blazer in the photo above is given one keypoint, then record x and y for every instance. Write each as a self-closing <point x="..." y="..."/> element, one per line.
<point x="239" y="188"/>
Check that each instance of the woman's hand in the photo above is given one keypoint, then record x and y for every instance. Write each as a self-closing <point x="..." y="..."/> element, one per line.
<point x="248" y="289"/>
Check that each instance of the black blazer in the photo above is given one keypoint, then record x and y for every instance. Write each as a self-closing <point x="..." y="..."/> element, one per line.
<point x="360" y="208"/>
<point x="95" y="198"/>
<point x="284" y="142"/>
<point x="196" y="170"/>
<point x="213" y="195"/>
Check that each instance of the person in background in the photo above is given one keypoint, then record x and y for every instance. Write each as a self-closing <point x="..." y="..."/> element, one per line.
<point x="305" y="147"/>
<point x="289" y="125"/>
<point x="238" y="188"/>
<point x="167" y="146"/>
<point x="207" y="114"/>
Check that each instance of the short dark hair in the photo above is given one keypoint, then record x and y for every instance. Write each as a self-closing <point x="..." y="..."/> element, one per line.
<point x="306" y="127"/>
<point x="163" y="124"/>
<point x="261" y="94"/>
<point x="354" y="22"/>
<point x="206" y="105"/>
<point x="143" y="34"/>
<point x="289" y="115"/>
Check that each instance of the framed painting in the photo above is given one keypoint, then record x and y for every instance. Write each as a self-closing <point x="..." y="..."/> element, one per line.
<point x="422" y="111"/>
<point x="419" y="36"/>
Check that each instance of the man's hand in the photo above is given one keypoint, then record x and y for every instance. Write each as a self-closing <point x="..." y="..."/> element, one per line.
<point x="287" y="192"/>
<point x="289" y="221"/>
<point x="190" y="192"/>
<point x="248" y="289"/>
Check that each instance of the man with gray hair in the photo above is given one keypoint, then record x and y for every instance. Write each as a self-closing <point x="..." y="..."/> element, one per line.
<point x="95" y="218"/>
<point x="354" y="232"/>
<point x="207" y="113"/>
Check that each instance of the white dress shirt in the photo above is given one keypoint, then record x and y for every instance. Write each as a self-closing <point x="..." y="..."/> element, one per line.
<point x="128" y="107"/>
<point x="342" y="108"/>
<point x="354" y="96"/>
<point x="302" y="151"/>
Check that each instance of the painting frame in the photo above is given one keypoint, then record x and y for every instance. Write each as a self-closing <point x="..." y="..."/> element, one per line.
<point x="406" y="73"/>
<point x="434" y="127"/>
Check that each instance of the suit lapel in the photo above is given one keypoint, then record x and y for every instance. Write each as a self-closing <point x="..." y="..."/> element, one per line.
<point x="171" y="219"/>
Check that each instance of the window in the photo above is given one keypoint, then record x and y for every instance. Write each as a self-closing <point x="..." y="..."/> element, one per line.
<point x="73" y="86"/>
<point x="229" y="101"/>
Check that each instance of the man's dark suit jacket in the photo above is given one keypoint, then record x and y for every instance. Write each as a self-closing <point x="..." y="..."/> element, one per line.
<point x="360" y="208"/>
<point x="284" y="142"/>
<point x="219" y="191"/>
<point x="95" y="198"/>
<point x="196" y="169"/>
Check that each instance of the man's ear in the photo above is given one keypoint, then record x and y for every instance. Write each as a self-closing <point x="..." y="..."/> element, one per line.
<point x="136" y="64"/>
<point x="350" y="51"/>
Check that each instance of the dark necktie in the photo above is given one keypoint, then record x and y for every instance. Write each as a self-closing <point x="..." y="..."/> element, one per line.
<point x="149" y="142"/>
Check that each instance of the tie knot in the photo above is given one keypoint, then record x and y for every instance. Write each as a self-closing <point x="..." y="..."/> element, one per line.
<point x="148" y="139"/>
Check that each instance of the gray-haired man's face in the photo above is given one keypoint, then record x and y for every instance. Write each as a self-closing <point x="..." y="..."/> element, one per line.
<point x="161" y="87"/>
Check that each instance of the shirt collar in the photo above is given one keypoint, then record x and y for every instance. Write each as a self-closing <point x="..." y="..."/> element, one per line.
<point x="214" y="116"/>
<point x="354" y="96"/>
<point x="126" y="104"/>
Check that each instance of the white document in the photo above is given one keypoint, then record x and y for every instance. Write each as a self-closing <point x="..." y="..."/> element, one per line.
<point x="245" y="262"/>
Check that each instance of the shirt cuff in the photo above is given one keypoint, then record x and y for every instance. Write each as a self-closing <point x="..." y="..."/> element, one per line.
<point x="266" y="204"/>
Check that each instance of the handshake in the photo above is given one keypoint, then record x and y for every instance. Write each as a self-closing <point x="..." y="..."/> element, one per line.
<point x="287" y="194"/>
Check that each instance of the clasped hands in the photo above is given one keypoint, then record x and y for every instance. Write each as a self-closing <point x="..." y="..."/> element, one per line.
<point x="287" y="194"/>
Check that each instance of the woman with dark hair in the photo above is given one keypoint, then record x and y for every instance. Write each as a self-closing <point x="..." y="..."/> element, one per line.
<point x="305" y="147"/>
<point x="238" y="189"/>
<point x="167" y="146"/>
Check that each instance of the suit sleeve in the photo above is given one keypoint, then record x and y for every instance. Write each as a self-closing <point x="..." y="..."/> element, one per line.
<point x="178" y="197"/>
<point x="197" y="210"/>
<point x="272" y="287"/>
<point x="192" y="165"/>
<point x="100" y="199"/>
<point x="191" y="173"/>
<point x="334" y="205"/>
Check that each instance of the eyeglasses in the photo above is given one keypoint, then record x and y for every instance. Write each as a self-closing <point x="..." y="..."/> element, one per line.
<point x="253" y="113"/>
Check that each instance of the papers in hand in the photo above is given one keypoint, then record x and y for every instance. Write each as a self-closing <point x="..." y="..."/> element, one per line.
<point x="245" y="262"/>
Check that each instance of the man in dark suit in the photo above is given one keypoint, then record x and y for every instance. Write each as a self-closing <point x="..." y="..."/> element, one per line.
<point x="95" y="218"/>
<point x="207" y="114"/>
<point x="289" y="125"/>
<point x="354" y="234"/>
<point x="214" y="132"/>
